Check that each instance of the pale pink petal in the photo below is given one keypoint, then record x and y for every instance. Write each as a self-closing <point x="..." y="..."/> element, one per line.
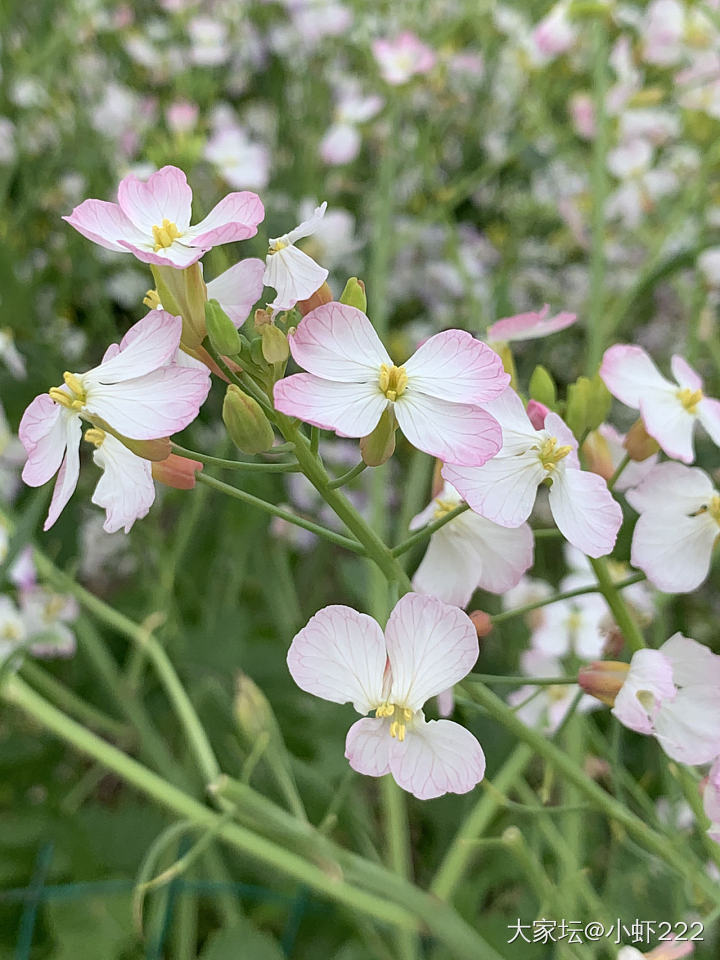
<point x="351" y="409"/>
<point x="585" y="511"/>
<point x="537" y="412"/>
<point x="238" y="289"/>
<point x="504" y="553"/>
<point x="338" y="342"/>
<point x="126" y="490"/>
<point x="628" y="372"/>
<point x="43" y="434"/>
<point x="293" y="275"/>
<point x="672" y="487"/>
<point x="176" y="255"/>
<point x="236" y="217"/>
<point x="557" y="428"/>
<point x="708" y="413"/>
<point x="430" y="645"/>
<point x="529" y="326"/>
<point x="674" y="550"/>
<point x="340" y="656"/>
<point x="150" y="343"/>
<point x="446" y="702"/>
<point x="667" y="420"/>
<point x="449" y="570"/>
<point x="454" y="366"/>
<point x="518" y="432"/>
<point x="688" y="727"/>
<point x="503" y="490"/>
<point x="341" y="144"/>
<point x="435" y="758"/>
<point x="692" y="663"/>
<point x="452" y="432"/>
<point x="684" y="373"/>
<point x="367" y="746"/>
<point x="106" y="224"/>
<point x="165" y="195"/>
<point x="69" y="471"/>
<point x="650" y="676"/>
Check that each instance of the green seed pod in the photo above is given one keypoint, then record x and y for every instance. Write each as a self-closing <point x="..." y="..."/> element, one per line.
<point x="275" y="347"/>
<point x="246" y="423"/>
<point x="354" y="294"/>
<point x="542" y="387"/>
<point x="221" y="330"/>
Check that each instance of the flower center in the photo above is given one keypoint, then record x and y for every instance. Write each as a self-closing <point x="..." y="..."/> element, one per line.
<point x="11" y="631"/>
<point x="95" y="435"/>
<point x="689" y="398"/>
<point x="393" y="381"/>
<point x="550" y="454"/>
<point x="276" y="245"/>
<point x="77" y="398"/>
<point x="443" y="507"/>
<point x="401" y="718"/>
<point x="152" y="300"/>
<point x="165" y="235"/>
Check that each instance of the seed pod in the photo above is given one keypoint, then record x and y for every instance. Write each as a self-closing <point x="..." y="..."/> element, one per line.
<point x="246" y="423"/>
<point x="221" y="330"/>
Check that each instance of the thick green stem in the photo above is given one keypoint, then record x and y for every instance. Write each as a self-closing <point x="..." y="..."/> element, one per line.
<point x="246" y="465"/>
<point x="619" y="609"/>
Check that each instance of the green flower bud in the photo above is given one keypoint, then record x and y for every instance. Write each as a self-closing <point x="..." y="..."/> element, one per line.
<point x="599" y="403"/>
<point x="246" y="423"/>
<point x="576" y="414"/>
<point x="275" y="347"/>
<point x="221" y="330"/>
<point x="379" y="445"/>
<point x="354" y="294"/>
<point x="542" y="387"/>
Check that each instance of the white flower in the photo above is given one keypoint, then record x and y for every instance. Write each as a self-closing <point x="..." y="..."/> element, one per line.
<point x="290" y="272"/>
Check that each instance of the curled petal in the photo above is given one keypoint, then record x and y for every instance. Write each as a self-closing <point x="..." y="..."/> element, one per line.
<point x="69" y="471"/>
<point x="43" y="434"/>
<point x="293" y="275"/>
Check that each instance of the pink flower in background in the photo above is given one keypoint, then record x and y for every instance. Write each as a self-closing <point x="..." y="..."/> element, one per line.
<point x="504" y="489"/>
<point x="241" y="162"/>
<point x="555" y="34"/>
<point x="137" y="390"/>
<point x="341" y="143"/>
<point x="678" y="526"/>
<point x="428" y="646"/>
<point x="582" y="114"/>
<point x="669" y="410"/>
<point x="182" y="116"/>
<point x="663" y="32"/>
<point x="152" y="220"/>
<point x="469" y="552"/>
<point x="673" y="694"/>
<point x="435" y="395"/>
<point x="403" y="58"/>
<point x="290" y="272"/>
<point x="529" y="326"/>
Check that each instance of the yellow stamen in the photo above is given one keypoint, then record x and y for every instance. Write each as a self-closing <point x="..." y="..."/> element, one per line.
<point x="443" y="507"/>
<point x="165" y="235"/>
<point x="714" y="509"/>
<point x="402" y="717"/>
<point x="77" y="397"/>
<point x="550" y="454"/>
<point x="276" y="245"/>
<point x="689" y="398"/>
<point x="393" y="381"/>
<point x="152" y="300"/>
<point x="95" y="436"/>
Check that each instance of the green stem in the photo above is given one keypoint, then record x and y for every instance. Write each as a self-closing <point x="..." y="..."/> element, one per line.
<point x="565" y="595"/>
<point x="237" y="464"/>
<point x="348" y="477"/>
<point x="519" y="681"/>
<point x="620" y="467"/>
<point x="599" y="192"/>
<point x="397" y="839"/>
<point x="428" y="530"/>
<point x="619" y="609"/>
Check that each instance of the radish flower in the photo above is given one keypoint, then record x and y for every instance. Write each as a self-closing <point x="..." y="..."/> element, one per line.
<point x="428" y="646"/>
<point x="504" y="489"/>
<point x="529" y="326"/>
<point x="290" y="272"/>
<point x="403" y="58"/>
<point x="435" y="395"/>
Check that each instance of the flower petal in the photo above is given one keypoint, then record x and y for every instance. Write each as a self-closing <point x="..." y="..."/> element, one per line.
<point x="125" y="490"/>
<point x="529" y="326"/>
<point x="448" y="570"/>
<point x="452" y="432"/>
<point x="650" y="673"/>
<point x="435" y="758"/>
<point x="672" y="488"/>
<point x="431" y="646"/>
<point x="176" y="255"/>
<point x="628" y="372"/>
<point x="454" y="366"/>
<point x="43" y="434"/>
<point x="338" y="342"/>
<point x="308" y="227"/>
<point x="238" y="289"/>
<point x="106" y="224"/>
<point x="367" y="746"/>
<point x="503" y="490"/>
<point x="340" y="656"/>
<point x="688" y="727"/>
<point x="674" y="551"/>
<point x="351" y="409"/>
<point x="668" y="422"/>
<point x="708" y="412"/>
<point x="684" y="373"/>
<point x="235" y="217"/>
<point x="692" y="662"/>
<point x="293" y="275"/>
<point x="585" y="511"/>
<point x="69" y="471"/>
<point x="165" y="195"/>
<point x="149" y="344"/>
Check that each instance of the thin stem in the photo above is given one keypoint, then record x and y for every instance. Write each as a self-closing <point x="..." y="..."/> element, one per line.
<point x="397" y="839"/>
<point x="599" y="191"/>
<point x="620" y="467"/>
<point x="251" y="466"/>
<point x="347" y="477"/>
<point x="565" y="595"/>
<point x="429" y="530"/>
<point x="520" y="681"/>
<point x="618" y="607"/>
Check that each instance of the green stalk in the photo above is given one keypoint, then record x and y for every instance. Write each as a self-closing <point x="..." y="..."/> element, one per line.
<point x="246" y="465"/>
<point x="567" y="595"/>
<point x="619" y="609"/>
<point x="428" y="530"/>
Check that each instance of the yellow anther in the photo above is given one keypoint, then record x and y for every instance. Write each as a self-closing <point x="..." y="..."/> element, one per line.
<point x="442" y="507"/>
<point x="165" y="235"/>
<point x="393" y="381"/>
<point x="551" y="454"/>
<point x="76" y="399"/>
<point x="152" y="300"/>
<point x="75" y="385"/>
<point x="95" y="435"/>
<point x="11" y="631"/>
<point x="689" y="398"/>
<point x="276" y="245"/>
<point x="59" y="396"/>
<point x="714" y="508"/>
<point x="401" y="718"/>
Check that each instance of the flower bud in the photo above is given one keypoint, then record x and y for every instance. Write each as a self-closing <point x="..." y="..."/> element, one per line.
<point x="183" y="293"/>
<point x="377" y="447"/>
<point x="603" y="679"/>
<point x="542" y="388"/>
<point x="321" y="296"/>
<point x="275" y="348"/>
<point x="638" y="442"/>
<point x="252" y="711"/>
<point x="354" y="294"/>
<point x="537" y="412"/>
<point x="221" y="330"/>
<point x="246" y="423"/>
<point x="596" y="451"/>
<point x="482" y="622"/>
<point x="176" y="471"/>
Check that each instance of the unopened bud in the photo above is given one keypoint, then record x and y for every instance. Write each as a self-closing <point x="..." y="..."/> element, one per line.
<point x="246" y="423"/>
<point x="537" y="412"/>
<point x="252" y="711"/>
<point x="638" y="442"/>
<point x="354" y="294"/>
<point x="542" y="387"/>
<point x="603" y="679"/>
<point x="482" y="622"/>
<point x="176" y="471"/>
<point x="377" y="447"/>
<point x="221" y="330"/>
<point x="147" y="449"/>
<point x="322" y="295"/>
<point x="596" y="451"/>
<point x="275" y="346"/>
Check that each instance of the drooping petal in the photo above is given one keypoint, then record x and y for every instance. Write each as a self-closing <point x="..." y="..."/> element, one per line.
<point x="338" y="342"/>
<point x="293" y="275"/>
<point x="585" y="511"/>
<point x="176" y="255"/>
<point x="125" y="490"/>
<point x="367" y="746"/>
<point x="668" y="422"/>
<point x="503" y="490"/>
<point x="529" y="326"/>
<point x="673" y="488"/>
<point x="308" y="227"/>
<point x="674" y="551"/>
<point x="165" y="195"/>
<point x="708" y="413"/>
<point x="435" y="758"/>
<point x="238" y="289"/>
<point x="105" y="223"/>
<point x="351" y="409"/>
<point x="431" y="646"/>
<point x="628" y="372"/>
<point x="235" y="217"/>
<point x="649" y="682"/>
<point x="688" y="727"/>
<point x="452" y="432"/>
<point x="69" y="471"/>
<point x="340" y="656"/>
<point x="43" y="434"/>
<point x="454" y="366"/>
<point x="150" y="343"/>
<point x="693" y="664"/>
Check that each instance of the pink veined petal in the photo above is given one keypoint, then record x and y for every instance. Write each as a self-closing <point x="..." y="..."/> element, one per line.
<point x="351" y="409"/>
<point x="367" y="746"/>
<point x="177" y="255"/>
<point x="340" y="656"/>
<point x="43" y="434"/>
<point x="503" y="554"/>
<point x="69" y="471"/>
<point x="149" y="344"/>
<point x="628" y="372"/>
<point x="236" y="217"/>
<point x="430" y="645"/>
<point x="456" y="367"/>
<point x="452" y="432"/>
<point x="156" y="405"/>
<point x="503" y="490"/>
<point x="585" y="511"/>
<point x="529" y="326"/>
<point x="125" y="490"/>
<point x="448" y="570"/>
<point x="338" y="342"/>
<point x="684" y="373"/>
<point x="708" y="413"/>
<point x="293" y="275"/>
<point x="105" y="223"/>
<point x="669" y="423"/>
<point x="651" y="674"/>
<point x="692" y="662"/>
<point x="674" y="550"/>
<point x="238" y="289"/>
<point x="435" y="758"/>
<point x="672" y="488"/>
<point x="518" y="432"/>
<point x="688" y="727"/>
<point x="556" y="427"/>
<point x="165" y="195"/>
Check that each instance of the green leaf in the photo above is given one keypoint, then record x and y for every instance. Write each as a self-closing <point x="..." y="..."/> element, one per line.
<point x="241" y="940"/>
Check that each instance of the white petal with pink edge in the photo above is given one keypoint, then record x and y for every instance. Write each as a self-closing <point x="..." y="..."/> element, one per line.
<point x="238" y="289"/>
<point x="69" y="471"/>
<point x="367" y="746"/>
<point x="672" y="487"/>
<point x="650" y="675"/>
<point x="337" y="342"/>
<point x="435" y="758"/>
<point x="351" y="409"/>
<point x="585" y="511"/>
<point x="693" y="664"/>
<point x="452" y="432"/>
<point x="674" y="551"/>
<point x="503" y="490"/>
<point x="235" y="217"/>
<point x="105" y="224"/>
<point x="668" y="422"/>
<point x="454" y="366"/>
<point x="150" y="343"/>
<point x="165" y="195"/>
<point x="126" y="490"/>
<point x="628" y="373"/>
<point x="43" y="434"/>
<point x="688" y="727"/>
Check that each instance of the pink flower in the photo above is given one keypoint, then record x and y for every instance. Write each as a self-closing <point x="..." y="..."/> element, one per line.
<point x="504" y="489"/>
<point x="290" y="272"/>
<point x="341" y="144"/>
<point x="663" y="32"/>
<point x="403" y="58"/>
<point x="529" y="326"/>
<point x="137" y="391"/>
<point x="673" y="694"/>
<point x="435" y="395"/>
<point x="469" y="552"/>
<point x="342" y="656"/>
<point x="678" y="526"/>
<point x="152" y="220"/>
<point x="669" y="410"/>
<point x="181" y="116"/>
<point x="555" y="34"/>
